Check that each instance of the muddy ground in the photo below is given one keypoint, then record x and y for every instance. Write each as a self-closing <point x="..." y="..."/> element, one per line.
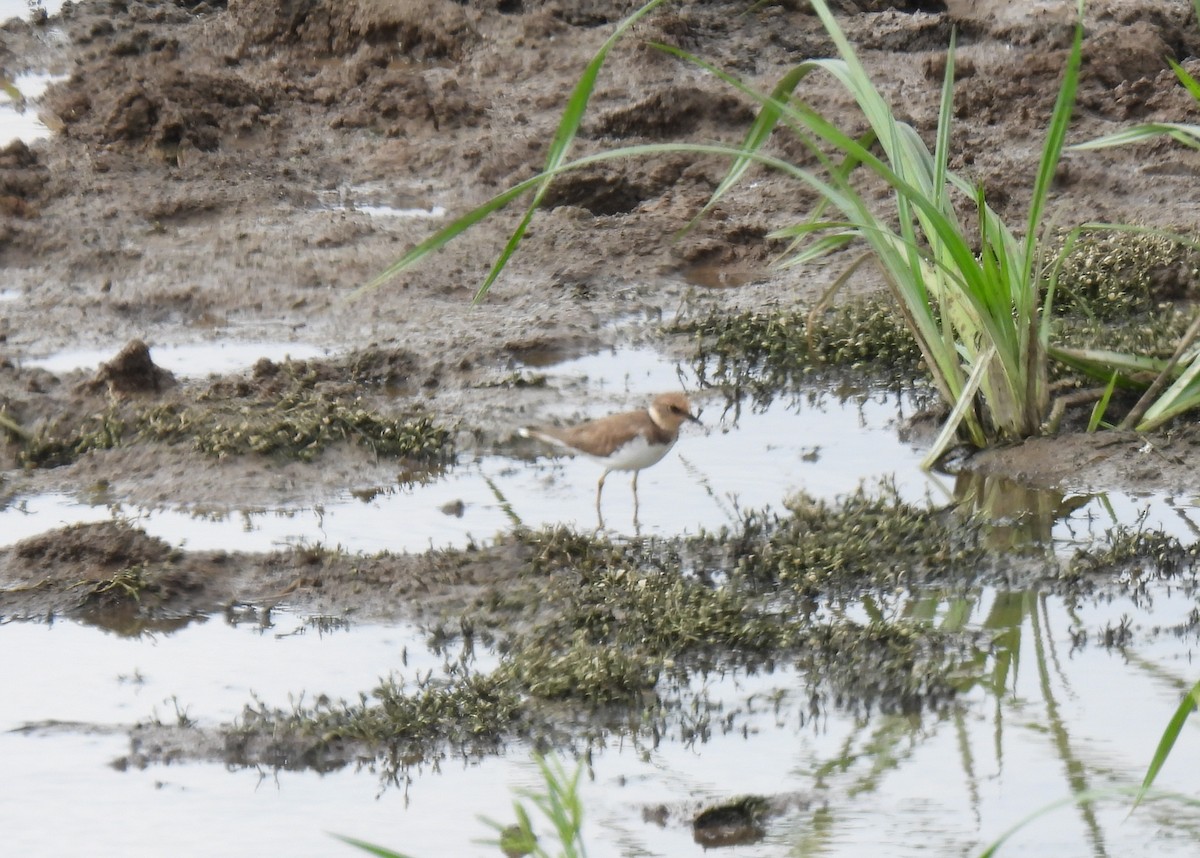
<point x="214" y="165"/>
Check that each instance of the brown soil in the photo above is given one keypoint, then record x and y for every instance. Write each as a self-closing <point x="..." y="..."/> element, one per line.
<point x="212" y="161"/>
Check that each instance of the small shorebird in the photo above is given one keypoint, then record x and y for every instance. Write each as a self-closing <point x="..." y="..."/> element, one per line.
<point x="623" y="442"/>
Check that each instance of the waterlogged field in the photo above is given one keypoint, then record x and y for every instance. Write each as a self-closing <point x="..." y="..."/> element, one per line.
<point x="1059" y="688"/>
<point x="290" y="573"/>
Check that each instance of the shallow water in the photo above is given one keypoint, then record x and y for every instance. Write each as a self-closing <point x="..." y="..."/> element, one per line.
<point x="823" y="447"/>
<point x="195" y="360"/>
<point x="23" y="8"/>
<point x="825" y="444"/>
<point x="1069" y="718"/>
<point x="380" y="200"/>
<point x="21" y="122"/>
<point x="1057" y="718"/>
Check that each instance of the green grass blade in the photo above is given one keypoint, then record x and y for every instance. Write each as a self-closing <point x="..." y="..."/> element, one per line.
<point x="460" y="225"/>
<point x="1134" y="371"/>
<point x="370" y="847"/>
<point x="10" y="89"/>
<point x="941" y="149"/>
<point x="1189" y="82"/>
<point x="568" y="128"/>
<point x="448" y="233"/>
<point x="770" y="110"/>
<point x="1183" y="395"/>
<point x="965" y="401"/>
<point x="1056" y="135"/>
<point x="1189" y="704"/>
<point x="821" y="247"/>
<point x="1102" y="405"/>
<point x="1188" y="135"/>
<point x="800" y="230"/>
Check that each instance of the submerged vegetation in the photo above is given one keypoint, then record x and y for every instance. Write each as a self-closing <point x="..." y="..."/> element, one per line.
<point x="769" y="352"/>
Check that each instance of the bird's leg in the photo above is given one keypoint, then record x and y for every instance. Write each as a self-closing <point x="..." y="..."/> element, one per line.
<point x="636" y="527"/>
<point x="599" y="489"/>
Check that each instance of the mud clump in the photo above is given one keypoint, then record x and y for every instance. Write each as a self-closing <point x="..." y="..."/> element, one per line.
<point x="131" y="371"/>
<point x="137" y="103"/>
<point x="22" y="180"/>
<point x="91" y="549"/>
<point x="107" y="574"/>
<point x="672" y="113"/>
<point x="422" y="29"/>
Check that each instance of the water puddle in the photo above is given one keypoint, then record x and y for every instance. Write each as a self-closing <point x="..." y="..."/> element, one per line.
<point x="210" y="666"/>
<point x="720" y="276"/>
<point x="824" y="446"/>
<point x="18" y="118"/>
<point x="25" y="8"/>
<point x="1021" y="516"/>
<point x="194" y="360"/>
<point x="382" y="202"/>
<point x="845" y="783"/>
<point x="825" y="443"/>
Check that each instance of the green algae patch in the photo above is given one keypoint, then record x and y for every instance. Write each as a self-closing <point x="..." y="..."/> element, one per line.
<point x="1112" y="275"/>
<point x="297" y="427"/>
<point x="465" y="708"/>
<point x="1134" y="557"/>
<point x="51" y="446"/>
<point x="592" y="632"/>
<point x="865" y="542"/>
<point x="772" y="351"/>
<point x="292" y="410"/>
<point x="869" y="601"/>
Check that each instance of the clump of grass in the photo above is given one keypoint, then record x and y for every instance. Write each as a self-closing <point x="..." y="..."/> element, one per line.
<point x="973" y="299"/>
<point x="122" y="589"/>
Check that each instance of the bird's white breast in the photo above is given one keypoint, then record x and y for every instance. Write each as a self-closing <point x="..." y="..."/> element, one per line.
<point x="635" y="454"/>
